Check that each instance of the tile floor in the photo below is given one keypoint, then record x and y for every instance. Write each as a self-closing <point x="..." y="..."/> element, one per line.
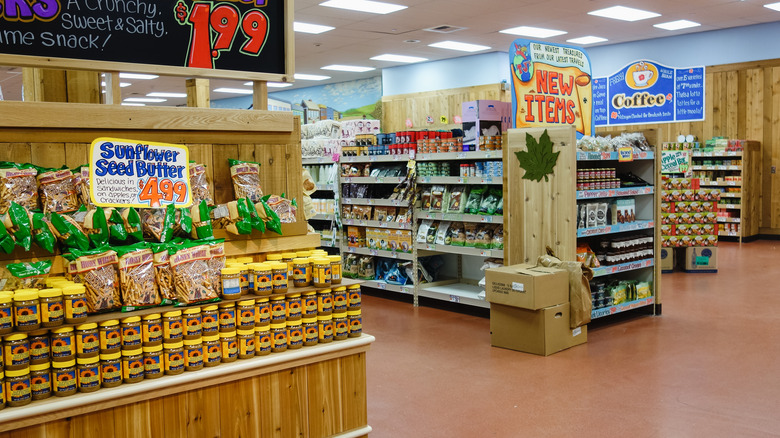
<point x="708" y="367"/>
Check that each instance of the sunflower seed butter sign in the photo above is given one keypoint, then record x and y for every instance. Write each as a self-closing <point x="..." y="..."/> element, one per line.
<point x="551" y="86"/>
<point x="128" y="173"/>
<point x="648" y="92"/>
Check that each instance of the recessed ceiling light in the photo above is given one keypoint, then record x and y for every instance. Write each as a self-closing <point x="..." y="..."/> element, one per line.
<point x="398" y="58"/>
<point x="305" y="77"/>
<point x="364" y="6"/>
<point x="132" y="104"/>
<point x="677" y="25"/>
<point x="311" y="28"/>
<point x="145" y="100"/>
<point x="773" y="6"/>
<point x="137" y="76"/>
<point x="164" y="94"/>
<point x="586" y="40"/>
<point x="124" y="84"/>
<point x="624" y="13"/>
<point x="272" y="84"/>
<point x="535" y="32"/>
<point x="233" y="90"/>
<point x="349" y="68"/>
<point x="463" y="47"/>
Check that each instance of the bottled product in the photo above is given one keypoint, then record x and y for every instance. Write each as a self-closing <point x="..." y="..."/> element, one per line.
<point x="212" y="349"/>
<point x="231" y="283"/>
<point x="63" y="344"/>
<point x="6" y="313"/>
<point x="209" y="316"/>
<point x="40" y="347"/>
<point x="310" y="331"/>
<point x="355" y="320"/>
<point x="227" y="317"/>
<point x="245" y="311"/>
<point x="75" y="298"/>
<point x="301" y="273"/>
<point x="173" y="357"/>
<point x="294" y="306"/>
<point x="278" y="309"/>
<point x="111" y="369"/>
<point x="340" y="326"/>
<point x="278" y="337"/>
<point x="340" y="299"/>
<point x="63" y="378"/>
<point x="288" y="258"/>
<point x="87" y="340"/>
<point x="321" y="276"/>
<point x="193" y="323"/>
<point x="52" y="308"/>
<point x="40" y="381"/>
<point x="279" y="273"/>
<point x="229" y="346"/>
<point x="335" y="269"/>
<point x="324" y="302"/>
<point x="325" y="328"/>
<point x="355" y="299"/>
<point x="193" y="354"/>
<point x="131" y="333"/>
<point x="173" y="326"/>
<point x="133" y="365"/>
<point x="294" y="334"/>
<point x="263" y="277"/>
<point x="27" y="310"/>
<point x="88" y="374"/>
<point x="262" y="312"/>
<point x="152" y="330"/>
<point x="17" y="387"/>
<point x="16" y="351"/>
<point x="153" y="361"/>
<point x="262" y="340"/>
<point x="309" y="303"/>
<point x="246" y="343"/>
<point x="110" y="336"/>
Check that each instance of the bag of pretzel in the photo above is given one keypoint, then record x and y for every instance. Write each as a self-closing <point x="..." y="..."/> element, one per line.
<point x="216" y="263"/>
<point x="201" y="221"/>
<point x="18" y="183"/>
<point x="199" y="184"/>
<point x="97" y="270"/>
<point x="69" y="232"/>
<point x="246" y="179"/>
<point x="136" y="277"/>
<point x="191" y="274"/>
<point x="58" y="191"/>
<point x="159" y="223"/>
<point x="18" y="224"/>
<point x="163" y="276"/>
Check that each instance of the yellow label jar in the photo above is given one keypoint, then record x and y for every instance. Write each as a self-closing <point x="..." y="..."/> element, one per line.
<point x="212" y="351"/>
<point x="173" y="326"/>
<point x="324" y="328"/>
<point x="335" y="269"/>
<point x="2" y="389"/>
<point x="6" y="313"/>
<point x="133" y="365"/>
<point x="340" y="326"/>
<point x="246" y="343"/>
<point x="131" y="333"/>
<point x="40" y="381"/>
<point x="229" y="346"/>
<point x="278" y="309"/>
<point x="288" y="257"/>
<point x="75" y="298"/>
<point x="227" y="317"/>
<point x="52" y="308"/>
<point x="209" y="316"/>
<point x="355" y="320"/>
<point x="294" y="306"/>
<point x="152" y="330"/>
<point x="262" y="312"/>
<point x="246" y="273"/>
<point x="294" y="334"/>
<point x="88" y="369"/>
<point x="309" y="303"/>
<point x="16" y="351"/>
<point x="340" y="300"/>
<point x="262" y="340"/>
<point x="153" y="361"/>
<point x="193" y="354"/>
<point x="301" y="272"/>
<point x="280" y="283"/>
<point x="263" y="278"/>
<point x="17" y="387"/>
<point x="273" y="257"/>
<point x="63" y="378"/>
<point x="245" y="312"/>
<point x="63" y="344"/>
<point x="321" y="272"/>
<point x="111" y="369"/>
<point x="278" y="337"/>
<point x="324" y="302"/>
<point x="193" y="323"/>
<point x="354" y="296"/>
<point x="173" y="357"/>
<point x="87" y="340"/>
<point x="110" y="336"/>
<point x="40" y="347"/>
<point x="27" y="310"/>
<point x="310" y="332"/>
<point x="231" y="283"/>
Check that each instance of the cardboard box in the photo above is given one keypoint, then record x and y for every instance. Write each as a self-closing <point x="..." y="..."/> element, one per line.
<point x="527" y="286"/>
<point x="542" y="332"/>
<point x="479" y="116"/>
<point x="701" y="259"/>
<point x="667" y="259"/>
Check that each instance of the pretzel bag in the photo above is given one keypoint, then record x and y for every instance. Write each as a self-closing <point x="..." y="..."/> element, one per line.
<point x="246" y="179"/>
<point x="58" y="191"/>
<point x="18" y="183"/>
<point x="97" y="270"/>
<point x="136" y="277"/>
<point x="163" y="276"/>
<point x="191" y="273"/>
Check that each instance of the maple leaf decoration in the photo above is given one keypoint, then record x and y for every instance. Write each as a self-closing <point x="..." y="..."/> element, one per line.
<point x="539" y="160"/>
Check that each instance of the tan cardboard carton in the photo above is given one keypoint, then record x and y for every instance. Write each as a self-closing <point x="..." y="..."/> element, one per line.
<point x="701" y="259"/>
<point x="541" y="332"/>
<point x="527" y="286"/>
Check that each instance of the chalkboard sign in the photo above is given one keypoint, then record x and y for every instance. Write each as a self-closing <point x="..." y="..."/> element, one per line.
<point x="229" y="38"/>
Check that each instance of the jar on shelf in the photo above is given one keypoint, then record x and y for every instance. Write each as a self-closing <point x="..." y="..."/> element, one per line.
<point x="301" y="273"/>
<point x="40" y="381"/>
<point x="212" y="350"/>
<point x="88" y="374"/>
<point x="40" y="347"/>
<point x="324" y="302"/>
<point x="63" y="344"/>
<point x="262" y="311"/>
<point x="110" y="336"/>
<point x="17" y="387"/>
<point x="193" y="323"/>
<point x="245" y="312"/>
<point x="153" y="361"/>
<point x="278" y="337"/>
<point x="263" y="279"/>
<point x="131" y="333"/>
<point x="173" y="329"/>
<point x="227" y="317"/>
<point x="340" y="300"/>
<point x="355" y="320"/>
<point x="27" y="310"/>
<point x="340" y="326"/>
<point x="16" y="351"/>
<point x="246" y="343"/>
<point x="324" y="329"/>
<point x="63" y="378"/>
<point x="231" y="283"/>
<point x="193" y="354"/>
<point x="263" y="340"/>
<point x="278" y="309"/>
<point x="279" y="277"/>
<point x="209" y="316"/>
<point x="335" y="269"/>
<point x="354" y="296"/>
<point x="294" y="334"/>
<point x="6" y="313"/>
<point x="173" y="357"/>
<point x="2" y="389"/>
<point x="288" y="257"/>
<point x="87" y="340"/>
<point x="294" y="306"/>
<point x="229" y="346"/>
<point x="133" y="365"/>
<point x="309" y="303"/>
<point x="321" y="276"/>
<point x="152" y="330"/>
<point x="52" y="308"/>
<point x="310" y="331"/>
<point x="75" y="298"/>
<point x="111" y="369"/>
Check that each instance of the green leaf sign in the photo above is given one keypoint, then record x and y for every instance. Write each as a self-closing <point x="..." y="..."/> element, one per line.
<point x="539" y="160"/>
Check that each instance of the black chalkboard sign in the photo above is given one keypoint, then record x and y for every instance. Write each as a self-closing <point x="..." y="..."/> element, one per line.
<point x="223" y="37"/>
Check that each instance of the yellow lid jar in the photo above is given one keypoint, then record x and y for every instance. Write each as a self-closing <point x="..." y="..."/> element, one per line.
<point x="321" y="272"/>
<point x="27" y="310"/>
<point x="231" y="283"/>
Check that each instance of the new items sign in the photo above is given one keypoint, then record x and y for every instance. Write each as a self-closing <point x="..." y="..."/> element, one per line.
<point x="647" y="92"/>
<point x="551" y="86"/>
<point x="128" y="173"/>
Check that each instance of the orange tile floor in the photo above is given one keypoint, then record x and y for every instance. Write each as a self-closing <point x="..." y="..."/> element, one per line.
<point x="709" y="366"/>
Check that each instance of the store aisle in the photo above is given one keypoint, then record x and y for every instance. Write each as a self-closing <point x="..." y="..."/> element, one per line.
<point x="707" y="367"/>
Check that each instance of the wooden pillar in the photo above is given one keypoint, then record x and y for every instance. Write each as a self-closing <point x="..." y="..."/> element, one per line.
<point x="260" y="95"/>
<point x="198" y="93"/>
<point x="47" y="85"/>
<point x="113" y="94"/>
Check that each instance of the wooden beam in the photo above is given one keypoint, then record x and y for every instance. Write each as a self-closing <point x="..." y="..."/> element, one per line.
<point x="260" y="95"/>
<point x="198" y="93"/>
<point x="32" y="84"/>
<point x="82" y="86"/>
<point x="113" y="94"/>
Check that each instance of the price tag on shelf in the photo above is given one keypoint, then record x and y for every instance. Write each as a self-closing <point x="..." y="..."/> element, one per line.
<point x="460" y="155"/>
<point x="455" y="298"/>
<point x="487" y="219"/>
<point x="381" y="285"/>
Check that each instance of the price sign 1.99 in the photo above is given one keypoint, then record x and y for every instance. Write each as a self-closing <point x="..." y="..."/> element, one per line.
<point x="216" y="28"/>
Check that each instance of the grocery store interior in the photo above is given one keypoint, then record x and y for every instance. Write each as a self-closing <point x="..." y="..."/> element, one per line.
<point x="416" y="218"/>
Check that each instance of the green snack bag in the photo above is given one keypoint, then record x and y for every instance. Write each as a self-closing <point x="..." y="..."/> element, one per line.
<point x="116" y="225"/>
<point x="184" y="221"/>
<point x="191" y="274"/>
<point x="271" y="219"/>
<point x="18" y="224"/>
<point x="7" y="243"/>
<point x="489" y="203"/>
<point x="96" y="227"/>
<point x="31" y="275"/>
<point x="240" y="217"/>
<point x="69" y="232"/>
<point x="133" y="226"/>
<point x="201" y="221"/>
<point x="42" y="234"/>
<point x="257" y="222"/>
<point x="474" y="200"/>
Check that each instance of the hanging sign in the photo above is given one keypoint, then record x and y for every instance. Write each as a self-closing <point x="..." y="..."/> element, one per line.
<point x="551" y="86"/>
<point x="129" y="173"/>
<point x="648" y="92"/>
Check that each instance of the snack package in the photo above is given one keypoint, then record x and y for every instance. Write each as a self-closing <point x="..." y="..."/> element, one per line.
<point x="163" y="277"/>
<point x="500" y="208"/>
<point x="366" y="268"/>
<point x="81" y="183"/>
<point x="475" y="199"/>
<point x="41" y="232"/>
<point x="136" y="276"/>
<point x="441" y="233"/>
<point x="456" y="202"/>
<point x="97" y="270"/>
<point x="422" y="230"/>
<point x="199" y="184"/>
<point x="457" y="235"/>
<point x="17" y="222"/>
<point x="471" y="234"/>
<point x="7" y="243"/>
<point x="183" y="222"/>
<point x="201" y="221"/>
<point x="497" y="242"/>
<point x="96" y="227"/>
<point x="246" y="179"/>
<point x="191" y="273"/>
<point x="158" y="223"/>
<point x="425" y="199"/>
<point x="239" y="218"/>
<point x="57" y="191"/>
<point x="254" y="217"/>
<point x="133" y="225"/>
<point x="430" y="238"/>
<point x="69" y="232"/>
<point x="283" y="208"/>
<point x="117" y="232"/>
<point x="489" y="203"/>
<point x="484" y="237"/>
<point x="346" y="211"/>
<point x="18" y="183"/>
<point x="351" y="266"/>
<point x="271" y="219"/>
<point x="438" y="194"/>
<point x="216" y="263"/>
<point x="31" y="275"/>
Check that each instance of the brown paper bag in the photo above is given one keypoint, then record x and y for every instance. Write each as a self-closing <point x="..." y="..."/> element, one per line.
<point x="579" y="288"/>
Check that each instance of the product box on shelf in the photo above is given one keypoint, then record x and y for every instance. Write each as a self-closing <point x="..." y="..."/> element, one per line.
<point x="527" y="286"/>
<point x="485" y="117"/>
<point x="543" y="332"/>
<point x="667" y="259"/>
<point x="698" y="259"/>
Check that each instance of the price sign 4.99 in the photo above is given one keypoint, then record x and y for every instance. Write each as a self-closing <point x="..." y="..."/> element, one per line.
<point x="216" y="28"/>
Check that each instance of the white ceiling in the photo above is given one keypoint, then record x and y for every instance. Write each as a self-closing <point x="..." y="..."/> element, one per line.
<point x="359" y="36"/>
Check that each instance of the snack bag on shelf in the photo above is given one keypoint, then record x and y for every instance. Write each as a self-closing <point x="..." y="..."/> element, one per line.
<point x="201" y="221"/>
<point x="237" y="216"/>
<point x="456" y="235"/>
<point x="30" y="275"/>
<point x="183" y="225"/>
<point x="136" y="276"/>
<point x="133" y="225"/>
<point x="57" y="191"/>
<point x="474" y="199"/>
<point x="269" y="217"/>
<point x="438" y="194"/>
<point x="163" y="276"/>
<point x="41" y="232"/>
<point x="216" y="263"/>
<point x="81" y="183"/>
<point x="97" y="270"/>
<point x="159" y="223"/>
<point x="489" y="203"/>
<point x="18" y="183"/>
<point x="191" y="273"/>
<point x="457" y="200"/>
<point x="471" y="234"/>
<point x="246" y="179"/>
<point x="96" y="227"/>
<point x="199" y="184"/>
<point x="283" y="208"/>
<point x="69" y="232"/>
<point x="116" y="226"/>
<point x="484" y="237"/>
<point x="17" y="222"/>
<point x="498" y="238"/>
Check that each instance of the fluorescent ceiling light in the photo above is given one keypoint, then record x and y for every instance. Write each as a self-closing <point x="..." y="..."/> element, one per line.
<point x="305" y="77"/>
<point x="773" y="6"/>
<point x="364" y="6"/>
<point x="272" y="84"/>
<point x="132" y="104"/>
<point x="398" y="58"/>
<point x="164" y="94"/>
<point x="233" y="90"/>
<point x="535" y="32"/>
<point x="624" y="13"/>
<point x="349" y="68"/>
<point x="677" y="25"/>
<point x="463" y="47"/>
<point x="311" y="28"/>
<point x="137" y="76"/>
<point x="121" y="84"/>
<point x="145" y="100"/>
<point x="586" y="40"/>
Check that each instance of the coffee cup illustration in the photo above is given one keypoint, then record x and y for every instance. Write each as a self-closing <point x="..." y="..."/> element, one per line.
<point x="642" y="77"/>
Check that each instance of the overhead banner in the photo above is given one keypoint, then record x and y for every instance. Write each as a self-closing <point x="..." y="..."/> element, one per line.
<point x="648" y="92"/>
<point x="551" y="86"/>
<point x="129" y="173"/>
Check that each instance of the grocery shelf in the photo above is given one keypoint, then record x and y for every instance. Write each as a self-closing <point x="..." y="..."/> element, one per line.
<point x="379" y="202"/>
<point x="379" y="253"/>
<point x="728" y="234"/>
<point x="716" y="167"/>
<point x="730" y="194"/>
<point x="405" y="289"/>
<point x="328" y="243"/>
<point x="616" y="228"/>
<point x="720" y="183"/>
<point x="460" y="180"/>
<point x="380" y="224"/>
<point x="497" y="253"/>
<point x="631" y="305"/>
<point x="376" y="158"/>
<point x="472" y="155"/>
<point x="454" y="292"/>
<point x="612" y="193"/>
<point x="730" y="220"/>
<point x="609" y="156"/>
<point x="623" y="267"/>
<point x="323" y="217"/>
<point x="372" y="179"/>
<point x="730" y="206"/>
<point x="459" y="217"/>
<point x="326" y="187"/>
<point x="327" y="159"/>
<point x="717" y="154"/>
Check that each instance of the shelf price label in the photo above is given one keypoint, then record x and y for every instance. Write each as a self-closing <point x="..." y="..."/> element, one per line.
<point x="129" y="173"/>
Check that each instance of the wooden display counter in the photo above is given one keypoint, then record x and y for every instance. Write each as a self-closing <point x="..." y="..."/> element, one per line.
<point x="316" y="391"/>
